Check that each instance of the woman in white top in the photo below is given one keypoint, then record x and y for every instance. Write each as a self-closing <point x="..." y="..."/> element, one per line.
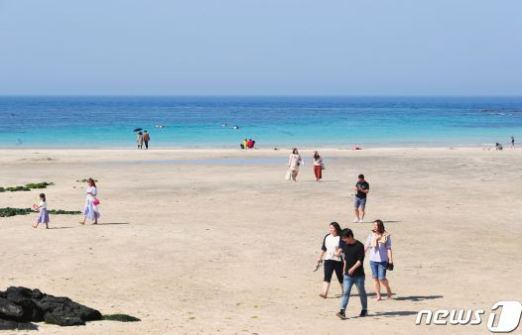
<point x="43" y="217"/>
<point x="318" y="166"/>
<point x="90" y="210"/>
<point x="294" y="162"/>
<point x="381" y="257"/>
<point x="332" y="262"/>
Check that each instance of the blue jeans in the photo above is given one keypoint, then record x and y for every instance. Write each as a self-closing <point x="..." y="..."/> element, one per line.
<point x="347" y="288"/>
<point x="378" y="269"/>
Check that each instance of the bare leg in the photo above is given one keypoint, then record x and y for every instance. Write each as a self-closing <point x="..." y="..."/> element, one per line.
<point x="377" y="288"/>
<point x="388" y="289"/>
<point x="326" y="287"/>
<point x="35" y="225"/>
<point x="357" y="214"/>
<point x="362" y="214"/>
<point x="83" y="222"/>
<point x="294" y="175"/>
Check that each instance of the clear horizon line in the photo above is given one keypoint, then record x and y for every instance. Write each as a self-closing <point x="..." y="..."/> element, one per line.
<point x="265" y="95"/>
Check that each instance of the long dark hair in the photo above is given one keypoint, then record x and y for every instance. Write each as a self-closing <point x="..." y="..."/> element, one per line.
<point x="337" y="228"/>
<point x="295" y="152"/>
<point x="380" y="227"/>
<point x="91" y="181"/>
<point x="316" y="155"/>
<point x="42" y="196"/>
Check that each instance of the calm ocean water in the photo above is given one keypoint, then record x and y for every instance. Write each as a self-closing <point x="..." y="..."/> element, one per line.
<point x="27" y="122"/>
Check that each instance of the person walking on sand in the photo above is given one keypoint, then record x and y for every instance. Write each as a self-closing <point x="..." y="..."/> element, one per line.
<point x="362" y="188"/>
<point x="146" y="139"/>
<point x="318" y="166"/>
<point x="332" y="261"/>
<point x="139" y="139"/>
<point x="90" y="210"/>
<point x="381" y="258"/>
<point x="512" y="142"/>
<point x="294" y="162"/>
<point x="43" y="217"/>
<point x="353" y="251"/>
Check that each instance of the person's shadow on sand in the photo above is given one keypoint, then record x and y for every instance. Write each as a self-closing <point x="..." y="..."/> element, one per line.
<point x="419" y="297"/>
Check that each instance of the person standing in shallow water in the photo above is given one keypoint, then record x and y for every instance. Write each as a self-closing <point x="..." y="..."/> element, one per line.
<point x="139" y="140"/>
<point x="146" y="139"/>
<point x="90" y="209"/>
<point x="512" y="142"/>
<point x="294" y="162"/>
<point x="332" y="260"/>
<point x="318" y="166"/>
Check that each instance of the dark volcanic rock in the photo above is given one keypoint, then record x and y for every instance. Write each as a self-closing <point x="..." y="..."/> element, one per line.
<point x="63" y="321"/>
<point x="13" y="325"/>
<point x="10" y="311"/>
<point x="20" y="304"/>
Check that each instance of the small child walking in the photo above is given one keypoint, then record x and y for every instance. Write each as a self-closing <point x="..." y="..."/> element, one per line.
<point x="43" y="217"/>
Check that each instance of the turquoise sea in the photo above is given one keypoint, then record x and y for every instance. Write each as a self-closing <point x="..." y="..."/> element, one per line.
<point x="90" y="122"/>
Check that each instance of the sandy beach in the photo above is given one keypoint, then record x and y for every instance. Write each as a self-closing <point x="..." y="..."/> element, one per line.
<point x="215" y="241"/>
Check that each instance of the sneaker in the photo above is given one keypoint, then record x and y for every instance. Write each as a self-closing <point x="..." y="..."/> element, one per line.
<point x="364" y="312"/>
<point x="356" y="220"/>
<point x="361" y="220"/>
<point x="341" y="314"/>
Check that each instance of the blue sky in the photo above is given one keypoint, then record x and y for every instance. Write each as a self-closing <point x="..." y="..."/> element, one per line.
<point x="268" y="47"/>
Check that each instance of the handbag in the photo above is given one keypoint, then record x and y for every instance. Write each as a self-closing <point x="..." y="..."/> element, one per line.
<point x="288" y="175"/>
<point x="389" y="266"/>
<point x="96" y="202"/>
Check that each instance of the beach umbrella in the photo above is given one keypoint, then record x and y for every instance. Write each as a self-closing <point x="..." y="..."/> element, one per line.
<point x="137" y="129"/>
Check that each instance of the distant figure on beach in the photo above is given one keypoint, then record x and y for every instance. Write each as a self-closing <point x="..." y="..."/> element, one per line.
<point x="250" y="144"/>
<point x="498" y="146"/>
<point x="332" y="260"/>
<point x="512" y="142"/>
<point x="245" y="143"/>
<point x="90" y="210"/>
<point x="381" y="258"/>
<point x="353" y="251"/>
<point x="362" y="188"/>
<point x="294" y="162"/>
<point x="318" y="166"/>
<point x="146" y="139"/>
<point x="43" y="216"/>
<point x="139" y="140"/>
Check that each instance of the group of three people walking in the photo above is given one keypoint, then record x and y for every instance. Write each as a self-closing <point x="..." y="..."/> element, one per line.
<point x="344" y="255"/>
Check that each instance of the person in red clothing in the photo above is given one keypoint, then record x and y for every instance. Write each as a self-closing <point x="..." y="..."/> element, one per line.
<point x="250" y="144"/>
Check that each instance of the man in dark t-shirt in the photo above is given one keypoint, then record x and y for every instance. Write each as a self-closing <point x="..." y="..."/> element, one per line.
<point x="353" y="272"/>
<point x="362" y="188"/>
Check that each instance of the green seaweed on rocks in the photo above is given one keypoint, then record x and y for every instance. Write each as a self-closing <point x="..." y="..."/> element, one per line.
<point x="25" y="188"/>
<point x="120" y="318"/>
<point x="85" y="180"/>
<point x="8" y="211"/>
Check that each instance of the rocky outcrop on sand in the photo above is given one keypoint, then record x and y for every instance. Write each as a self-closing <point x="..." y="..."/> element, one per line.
<point x="19" y="306"/>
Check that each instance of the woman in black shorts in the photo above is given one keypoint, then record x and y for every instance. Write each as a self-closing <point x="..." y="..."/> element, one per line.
<point x="332" y="263"/>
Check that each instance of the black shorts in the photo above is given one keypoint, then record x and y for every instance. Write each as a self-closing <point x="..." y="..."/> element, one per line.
<point x="329" y="267"/>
